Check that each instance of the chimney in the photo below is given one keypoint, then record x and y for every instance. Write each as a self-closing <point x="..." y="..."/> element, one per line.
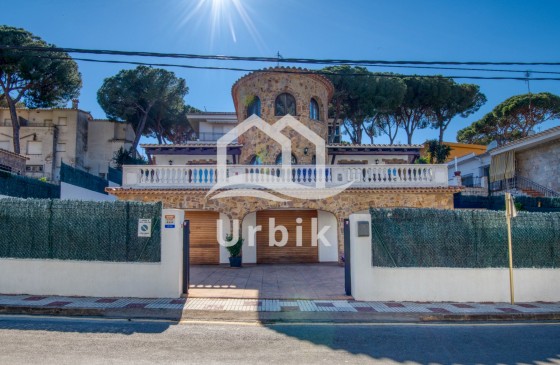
<point x="75" y="103"/>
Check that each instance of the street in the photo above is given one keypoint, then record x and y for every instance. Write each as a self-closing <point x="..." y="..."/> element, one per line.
<point x="49" y="340"/>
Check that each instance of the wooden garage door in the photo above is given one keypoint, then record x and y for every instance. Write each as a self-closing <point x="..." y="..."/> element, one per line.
<point x="290" y="253"/>
<point x="204" y="248"/>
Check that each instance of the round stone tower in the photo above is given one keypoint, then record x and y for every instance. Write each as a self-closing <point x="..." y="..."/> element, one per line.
<point x="273" y="93"/>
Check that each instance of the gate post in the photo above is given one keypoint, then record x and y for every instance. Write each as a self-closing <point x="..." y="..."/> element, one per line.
<point x="186" y="255"/>
<point x="347" y="262"/>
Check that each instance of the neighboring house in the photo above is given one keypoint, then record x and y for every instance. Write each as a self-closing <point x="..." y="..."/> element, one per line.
<point x="49" y="137"/>
<point x="460" y="149"/>
<point x="182" y="176"/>
<point x="529" y="166"/>
<point x="12" y="162"/>
<point x="473" y="169"/>
<point x="209" y="126"/>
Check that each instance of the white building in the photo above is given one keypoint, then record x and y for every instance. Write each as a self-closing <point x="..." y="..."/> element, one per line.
<point x="70" y="135"/>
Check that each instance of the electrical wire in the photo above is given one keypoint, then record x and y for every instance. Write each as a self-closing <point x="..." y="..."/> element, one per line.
<point x="36" y="52"/>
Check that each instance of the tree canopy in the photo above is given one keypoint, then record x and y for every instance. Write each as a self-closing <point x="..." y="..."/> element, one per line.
<point x="44" y="79"/>
<point x="512" y="119"/>
<point x="146" y="97"/>
<point x="449" y="99"/>
<point x="360" y="98"/>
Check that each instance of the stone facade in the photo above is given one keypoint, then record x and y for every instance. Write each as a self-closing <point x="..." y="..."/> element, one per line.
<point x="303" y="86"/>
<point x="12" y="162"/>
<point x="341" y="205"/>
<point x="541" y="164"/>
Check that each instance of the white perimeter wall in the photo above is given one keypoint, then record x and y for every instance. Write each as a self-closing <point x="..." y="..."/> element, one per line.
<point x="327" y="220"/>
<point x="442" y="284"/>
<point x="73" y="192"/>
<point x="104" y="279"/>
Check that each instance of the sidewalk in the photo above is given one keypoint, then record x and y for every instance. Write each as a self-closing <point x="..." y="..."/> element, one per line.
<point x="273" y="309"/>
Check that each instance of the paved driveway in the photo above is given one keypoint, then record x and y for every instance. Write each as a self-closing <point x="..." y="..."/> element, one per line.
<point x="295" y="281"/>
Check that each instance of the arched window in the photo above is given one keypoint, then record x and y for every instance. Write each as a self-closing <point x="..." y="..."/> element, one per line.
<point x="279" y="159"/>
<point x="313" y="109"/>
<point x="254" y="107"/>
<point x="256" y="160"/>
<point x="284" y="104"/>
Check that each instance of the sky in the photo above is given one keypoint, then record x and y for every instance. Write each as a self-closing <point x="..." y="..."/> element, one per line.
<point x="474" y="30"/>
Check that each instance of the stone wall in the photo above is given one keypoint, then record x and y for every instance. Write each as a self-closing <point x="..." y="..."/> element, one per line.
<point x="12" y="161"/>
<point x="541" y="164"/>
<point x="267" y="86"/>
<point x="342" y="205"/>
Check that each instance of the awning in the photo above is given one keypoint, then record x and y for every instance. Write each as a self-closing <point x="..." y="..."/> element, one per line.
<point x="502" y="166"/>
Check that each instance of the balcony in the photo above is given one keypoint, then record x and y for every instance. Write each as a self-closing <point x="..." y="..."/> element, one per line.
<point x="243" y="176"/>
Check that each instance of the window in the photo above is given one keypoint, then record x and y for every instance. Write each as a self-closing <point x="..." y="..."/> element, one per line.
<point x="279" y="159"/>
<point x="34" y="168"/>
<point x="34" y="148"/>
<point x="256" y="160"/>
<point x="285" y="104"/>
<point x="254" y="107"/>
<point x="313" y="109"/>
<point x="61" y="147"/>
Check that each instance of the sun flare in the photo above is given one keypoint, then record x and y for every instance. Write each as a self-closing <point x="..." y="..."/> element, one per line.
<point x="222" y="17"/>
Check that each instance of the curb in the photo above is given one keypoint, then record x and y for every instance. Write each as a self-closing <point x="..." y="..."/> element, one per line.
<point x="273" y="317"/>
<point x="114" y="313"/>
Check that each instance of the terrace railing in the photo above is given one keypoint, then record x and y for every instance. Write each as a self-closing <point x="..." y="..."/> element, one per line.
<point x="361" y="176"/>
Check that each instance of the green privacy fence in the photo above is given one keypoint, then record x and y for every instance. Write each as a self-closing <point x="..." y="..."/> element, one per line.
<point x="497" y="202"/>
<point x="78" y="230"/>
<point x="458" y="238"/>
<point x="114" y="175"/>
<point x="26" y="187"/>
<point x="83" y="179"/>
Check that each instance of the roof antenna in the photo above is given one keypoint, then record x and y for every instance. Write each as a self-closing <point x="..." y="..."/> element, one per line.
<point x="279" y="57"/>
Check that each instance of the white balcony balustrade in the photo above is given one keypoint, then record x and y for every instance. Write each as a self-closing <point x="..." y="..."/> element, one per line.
<point x="243" y="176"/>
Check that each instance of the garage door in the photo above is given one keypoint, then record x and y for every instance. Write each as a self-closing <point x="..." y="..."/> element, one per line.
<point x="204" y="248"/>
<point x="290" y="253"/>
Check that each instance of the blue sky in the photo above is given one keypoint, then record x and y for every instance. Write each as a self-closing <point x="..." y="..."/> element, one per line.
<point x="361" y="29"/>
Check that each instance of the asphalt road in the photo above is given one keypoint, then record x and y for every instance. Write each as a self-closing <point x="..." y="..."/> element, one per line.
<point x="27" y="340"/>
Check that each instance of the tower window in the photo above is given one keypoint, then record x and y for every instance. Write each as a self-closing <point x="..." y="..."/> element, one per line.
<point x="254" y="107"/>
<point x="313" y="109"/>
<point x="279" y="159"/>
<point x="256" y="160"/>
<point x="285" y="104"/>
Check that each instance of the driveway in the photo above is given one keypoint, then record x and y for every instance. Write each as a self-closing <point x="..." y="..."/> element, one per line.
<point x="294" y="281"/>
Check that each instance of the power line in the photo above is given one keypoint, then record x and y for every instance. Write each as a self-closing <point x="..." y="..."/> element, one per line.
<point x="298" y="70"/>
<point x="274" y="59"/>
<point x="295" y="70"/>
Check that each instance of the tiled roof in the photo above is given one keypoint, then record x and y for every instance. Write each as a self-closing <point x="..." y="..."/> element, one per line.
<point x="212" y="113"/>
<point x="188" y="145"/>
<point x="13" y="154"/>
<point x="552" y="132"/>
<point x="344" y="145"/>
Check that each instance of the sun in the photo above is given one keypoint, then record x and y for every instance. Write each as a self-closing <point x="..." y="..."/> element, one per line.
<point x="222" y="17"/>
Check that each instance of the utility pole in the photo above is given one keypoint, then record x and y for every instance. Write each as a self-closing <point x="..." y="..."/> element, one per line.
<point x="511" y="212"/>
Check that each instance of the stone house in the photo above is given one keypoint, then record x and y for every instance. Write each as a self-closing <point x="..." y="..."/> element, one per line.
<point x="70" y="135"/>
<point x="282" y="133"/>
